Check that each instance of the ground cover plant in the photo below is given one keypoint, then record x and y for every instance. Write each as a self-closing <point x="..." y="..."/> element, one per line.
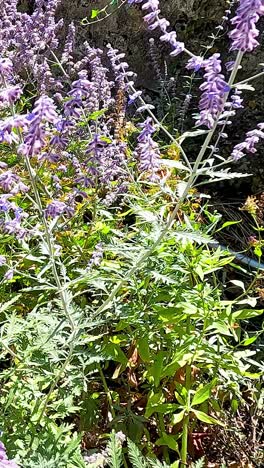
<point x="122" y="341"/>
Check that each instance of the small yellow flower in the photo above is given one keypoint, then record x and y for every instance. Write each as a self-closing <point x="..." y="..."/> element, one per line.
<point x="250" y="205"/>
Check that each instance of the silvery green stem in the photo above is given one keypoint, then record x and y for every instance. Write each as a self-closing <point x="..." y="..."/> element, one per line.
<point x="189" y="184"/>
<point x="154" y="118"/>
<point x="51" y="249"/>
<point x="247" y="80"/>
<point x="212" y="131"/>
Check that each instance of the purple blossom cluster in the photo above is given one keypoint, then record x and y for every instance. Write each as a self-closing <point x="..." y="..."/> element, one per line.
<point x="245" y="32"/>
<point x="147" y="150"/>
<point x="97" y="256"/>
<point x="44" y="112"/>
<point x="214" y="90"/>
<point x="153" y="21"/>
<point x="25" y="38"/>
<point x="92" y="90"/>
<point x="9" y="92"/>
<point x="68" y="51"/>
<point x="11" y="217"/>
<point x="248" y="146"/>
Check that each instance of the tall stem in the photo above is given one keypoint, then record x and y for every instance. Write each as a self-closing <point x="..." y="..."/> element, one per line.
<point x="186" y="420"/>
<point x="189" y="184"/>
<point x="51" y="249"/>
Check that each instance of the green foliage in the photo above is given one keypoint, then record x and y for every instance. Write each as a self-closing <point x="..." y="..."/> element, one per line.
<point x="146" y="343"/>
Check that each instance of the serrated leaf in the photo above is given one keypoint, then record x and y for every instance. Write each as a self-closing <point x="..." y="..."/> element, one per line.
<point x="194" y="236"/>
<point x="223" y="175"/>
<point x="6" y="305"/>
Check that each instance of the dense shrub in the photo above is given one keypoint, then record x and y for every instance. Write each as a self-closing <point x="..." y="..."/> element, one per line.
<point x="116" y="330"/>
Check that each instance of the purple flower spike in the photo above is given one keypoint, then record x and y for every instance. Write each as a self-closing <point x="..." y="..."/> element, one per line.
<point x="9" y="95"/>
<point x="97" y="256"/>
<point x="147" y="150"/>
<point x="214" y="89"/>
<point x="154" y="21"/>
<point x="44" y="112"/>
<point x="6" y="67"/>
<point x="248" y="146"/>
<point x="245" y="32"/>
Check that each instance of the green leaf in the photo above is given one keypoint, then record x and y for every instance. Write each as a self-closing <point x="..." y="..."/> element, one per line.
<point x="258" y="251"/>
<point x="238" y="283"/>
<point x="248" y="341"/>
<point x="247" y="314"/>
<point x="143" y="349"/>
<point x="177" y="417"/>
<point x="174" y="164"/>
<point x="94" y="116"/>
<point x="176" y="464"/>
<point x="94" y="13"/>
<point x="168" y="441"/>
<point x="154" y="400"/>
<point x="228" y="223"/>
<point x="114" y="449"/>
<point x="135" y="456"/>
<point x="156" y="369"/>
<point x="202" y="394"/>
<point x="220" y="327"/>
<point x="206" y="418"/>
<point x="114" y="351"/>
<point x="6" y="305"/>
<point x="176" y="364"/>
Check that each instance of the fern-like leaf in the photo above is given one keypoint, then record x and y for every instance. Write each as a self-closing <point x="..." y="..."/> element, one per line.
<point x="114" y="450"/>
<point x="157" y="464"/>
<point x="199" y="464"/>
<point x="135" y="456"/>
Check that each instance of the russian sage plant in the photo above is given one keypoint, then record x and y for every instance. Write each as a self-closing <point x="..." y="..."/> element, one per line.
<point x="113" y="312"/>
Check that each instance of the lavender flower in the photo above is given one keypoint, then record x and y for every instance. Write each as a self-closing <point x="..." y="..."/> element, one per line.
<point x="214" y="89"/>
<point x="2" y="262"/>
<point x="248" y="146"/>
<point x="133" y="97"/>
<point x="43" y="112"/>
<point x="97" y="256"/>
<point x="8" y="125"/>
<point x="9" y="95"/>
<point x="23" y="36"/>
<point x="102" y="89"/>
<point x="195" y="63"/>
<point x="12" y="183"/>
<point x="6" y="67"/>
<point x="154" y="21"/>
<point x="58" y="208"/>
<point x="147" y="150"/>
<point x="67" y="55"/>
<point x="245" y="32"/>
<point x="7" y="463"/>
<point x="123" y="76"/>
